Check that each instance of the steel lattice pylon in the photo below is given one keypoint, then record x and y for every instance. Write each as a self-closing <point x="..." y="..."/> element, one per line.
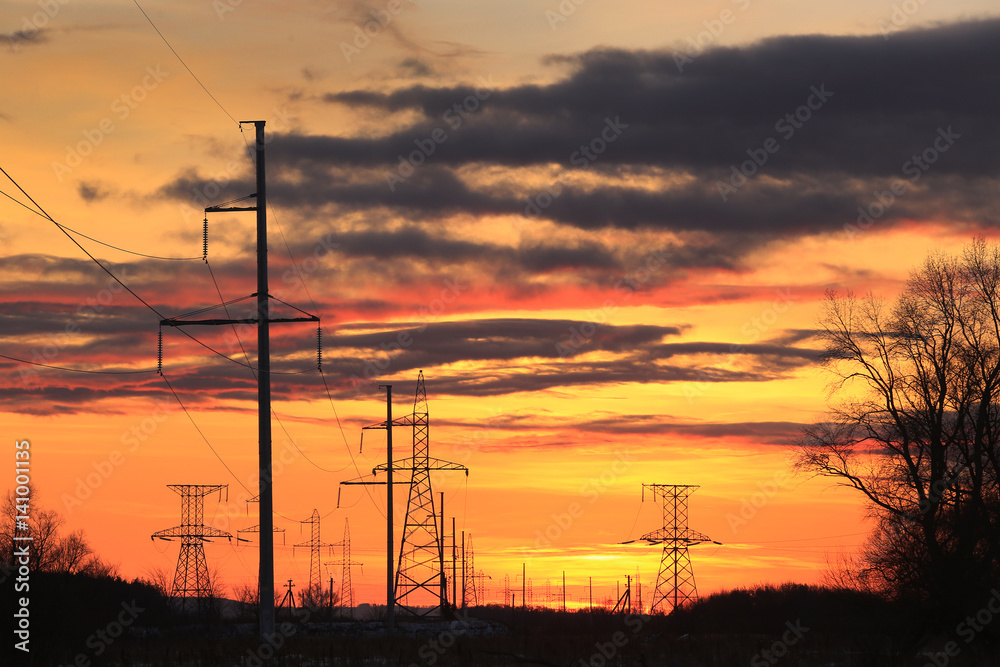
<point x="346" y="587"/>
<point x="314" y="545"/>
<point x="191" y="579"/>
<point x="470" y="596"/>
<point x="420" y="586"/>
<point x="420" y="576"/>
<point x="675" y="584"/>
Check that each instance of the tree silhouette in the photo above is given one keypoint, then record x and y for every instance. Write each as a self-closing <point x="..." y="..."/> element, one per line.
<point x="916" y="426"/>
<point x="50" y="551"/>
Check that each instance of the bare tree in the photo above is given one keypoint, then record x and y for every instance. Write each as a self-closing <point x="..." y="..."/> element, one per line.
<point x="50" y="551"/>
<point x="916" y="428"/>
<point x="160" y="578"/>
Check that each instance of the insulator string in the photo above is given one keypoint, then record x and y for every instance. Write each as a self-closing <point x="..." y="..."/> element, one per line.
<point x="319" y="347"/>
<point x="204" y="240"/>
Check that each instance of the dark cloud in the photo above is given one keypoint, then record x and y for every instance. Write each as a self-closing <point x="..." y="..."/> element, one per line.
<point x="895" y="105"/>
<point x="878" y="104"/>
<point x="415" y="67"/>
<point x="771" y="433"/>
<point x="92" y="191"/>
<point x="523" y="355"/>
<point x="24" y="37"/>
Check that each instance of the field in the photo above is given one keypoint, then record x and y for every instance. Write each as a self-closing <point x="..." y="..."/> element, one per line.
<point x="87" y="621"/>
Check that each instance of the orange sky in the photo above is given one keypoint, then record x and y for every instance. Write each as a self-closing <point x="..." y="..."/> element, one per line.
<point x="701" y="372"/>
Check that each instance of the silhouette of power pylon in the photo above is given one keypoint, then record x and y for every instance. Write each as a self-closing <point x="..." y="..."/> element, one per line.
<point x="289" y="595"/>
<point x="675" y="585"/>
<point x="480" y="579"/>
<point x="314" y="544"/>
<point x="470" y="597"/>
<point x="346" y="588"/>
<point x="420" y="572"/>
<point x="191" y="579"/>
<point x="256" y="527"/>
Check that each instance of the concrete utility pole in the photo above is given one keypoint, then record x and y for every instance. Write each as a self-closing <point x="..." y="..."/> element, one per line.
<point x="263" y="321"/>
<point x="390" y="592"/>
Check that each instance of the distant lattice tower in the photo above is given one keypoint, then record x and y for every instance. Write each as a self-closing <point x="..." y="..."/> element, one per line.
<point x="191" y="579"/>
<point x="314" y="544"/>
<point x="481" y="578"/>
<point x="469" y="594"/>
<point x="256" y="527"/>
<point x="675" y="584"/>
<point x="346" y="587"/>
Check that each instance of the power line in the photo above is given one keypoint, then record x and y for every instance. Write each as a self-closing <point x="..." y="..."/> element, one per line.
<point x="172" y="50"/>
<point x="347" y="446"/>
<point x="77" y="244"/>
<point x="75" y="370"/>
<point x="108" y="271"/>
<point x="130" y="252"/>
<point x="64" y="227"/>
<point x="118" y="280"/>
<point x="193" y="423"/>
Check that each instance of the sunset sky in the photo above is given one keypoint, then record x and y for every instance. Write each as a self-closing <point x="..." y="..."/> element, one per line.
<point x="604" y="231"/>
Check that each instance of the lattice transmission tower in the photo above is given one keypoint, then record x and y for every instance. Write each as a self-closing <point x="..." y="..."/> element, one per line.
<point x="191" y="579"/>
<point x="470" y="595"/>
<point x="256" y="527"/>
<point x="675" y="584"/>
<point x="346" y="587"/>
<point x="314" y="544"/>
<point x="420" y="586"/>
